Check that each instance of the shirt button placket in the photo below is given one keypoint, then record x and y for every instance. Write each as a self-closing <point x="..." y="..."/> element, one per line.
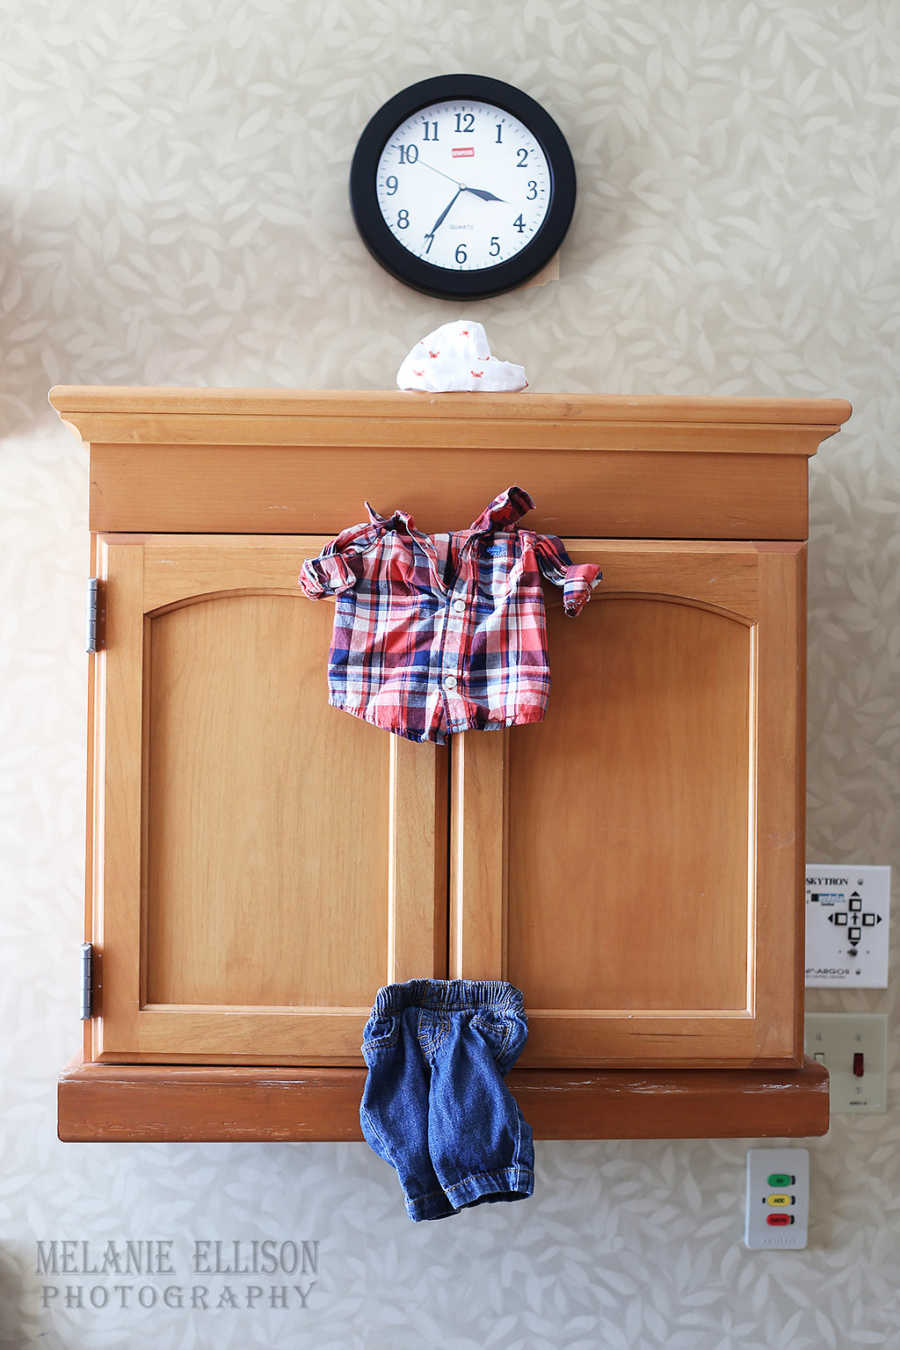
<point x="453" y="648"/>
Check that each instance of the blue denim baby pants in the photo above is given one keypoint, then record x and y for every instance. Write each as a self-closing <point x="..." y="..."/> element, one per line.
<point x="435" y="1105"/>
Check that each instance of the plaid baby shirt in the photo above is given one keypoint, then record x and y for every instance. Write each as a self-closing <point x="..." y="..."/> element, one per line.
<point x="440" y="633"/>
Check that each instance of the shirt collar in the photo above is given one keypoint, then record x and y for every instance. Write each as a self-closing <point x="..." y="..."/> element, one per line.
<point x="503" y="511"/>
<point x="404" y="516"/>
<point x="506" y="508"/>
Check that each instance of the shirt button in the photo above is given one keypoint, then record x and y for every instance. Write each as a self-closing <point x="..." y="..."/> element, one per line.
<point x="459" y="606"/>
<point x="450" y="682"/>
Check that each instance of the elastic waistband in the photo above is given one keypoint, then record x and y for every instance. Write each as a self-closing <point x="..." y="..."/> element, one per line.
<point x="451" y="994"/>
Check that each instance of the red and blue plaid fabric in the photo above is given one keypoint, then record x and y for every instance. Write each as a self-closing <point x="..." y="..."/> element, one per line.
<point x="440" y="633"/>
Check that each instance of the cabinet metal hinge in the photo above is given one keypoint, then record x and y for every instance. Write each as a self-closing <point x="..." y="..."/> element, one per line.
<point x="93" y="605"/>
<point x="87" y="953"/>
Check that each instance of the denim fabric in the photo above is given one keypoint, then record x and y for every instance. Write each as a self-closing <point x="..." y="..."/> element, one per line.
<point x="435" y="1105"/>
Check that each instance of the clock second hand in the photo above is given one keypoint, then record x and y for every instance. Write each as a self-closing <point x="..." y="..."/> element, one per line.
<point x="426" y="165"/>
<point x="479" y="192"/>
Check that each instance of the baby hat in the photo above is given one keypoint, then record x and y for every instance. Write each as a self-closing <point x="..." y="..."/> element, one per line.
<point x="457" y="356"/>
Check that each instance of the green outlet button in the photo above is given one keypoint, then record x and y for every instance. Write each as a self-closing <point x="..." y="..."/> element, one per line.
<point x="781" y="1179"/>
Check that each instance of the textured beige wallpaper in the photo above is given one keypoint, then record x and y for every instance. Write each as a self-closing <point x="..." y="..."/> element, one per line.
<point x="173" y="207"/>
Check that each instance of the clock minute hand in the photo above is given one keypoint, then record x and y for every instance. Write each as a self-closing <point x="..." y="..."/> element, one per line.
<point x="478" y="192"/>
<point x="442" y="216"/>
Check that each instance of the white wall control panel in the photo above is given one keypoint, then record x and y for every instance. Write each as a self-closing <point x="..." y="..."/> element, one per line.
<point x="777" y="1198"/>
<point x="853" y="1048"/>
<point x="848" y="910"/>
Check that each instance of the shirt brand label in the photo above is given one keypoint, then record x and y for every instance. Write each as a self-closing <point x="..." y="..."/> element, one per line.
<point x="493" y="549"/>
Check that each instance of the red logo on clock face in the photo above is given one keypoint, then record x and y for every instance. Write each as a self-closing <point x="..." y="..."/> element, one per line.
<point x="463" y="151"/>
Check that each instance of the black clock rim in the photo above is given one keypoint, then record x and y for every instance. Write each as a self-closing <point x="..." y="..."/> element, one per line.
<point x="445" y="282"/>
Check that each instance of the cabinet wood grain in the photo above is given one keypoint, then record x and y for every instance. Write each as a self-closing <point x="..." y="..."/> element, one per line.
<point x="258" y="863"/>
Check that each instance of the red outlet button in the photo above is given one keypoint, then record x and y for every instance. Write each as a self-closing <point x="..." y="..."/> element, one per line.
<point x="779" y="1220"/>
<point x="858" y="1069"/>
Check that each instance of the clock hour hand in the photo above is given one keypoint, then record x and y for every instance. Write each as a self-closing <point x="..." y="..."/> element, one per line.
<point x="485" y="196"/>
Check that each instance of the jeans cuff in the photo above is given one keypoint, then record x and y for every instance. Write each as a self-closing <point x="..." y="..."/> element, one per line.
<point x="508" y="1183"/>
<point x="435" y="1205"/>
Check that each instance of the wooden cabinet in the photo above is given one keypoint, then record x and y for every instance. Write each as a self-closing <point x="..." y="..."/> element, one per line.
<point x="258" y="863"/>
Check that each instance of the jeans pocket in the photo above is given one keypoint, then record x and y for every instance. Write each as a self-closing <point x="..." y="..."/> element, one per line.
<point x="496" y="1031"/>
<point x="505" y="1034"/>
<point x="381" y="1029"/>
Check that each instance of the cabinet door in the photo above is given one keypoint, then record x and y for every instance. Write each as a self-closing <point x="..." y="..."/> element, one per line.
<point x="259" y="862"/>
<point x="643" y="883"/>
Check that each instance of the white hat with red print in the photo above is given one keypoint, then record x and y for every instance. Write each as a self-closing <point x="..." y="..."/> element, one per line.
<point x="457" y="356"/>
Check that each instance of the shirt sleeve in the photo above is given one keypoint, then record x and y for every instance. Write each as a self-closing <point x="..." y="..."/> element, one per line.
<point x="577" y="580"/>
<point x="339" y="566"/>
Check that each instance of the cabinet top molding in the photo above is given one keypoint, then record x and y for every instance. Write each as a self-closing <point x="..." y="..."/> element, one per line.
<point x="133" y="415"/>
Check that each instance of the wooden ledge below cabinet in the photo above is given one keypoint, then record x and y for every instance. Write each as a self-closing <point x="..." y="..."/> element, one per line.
<point x="145" y="1103"/>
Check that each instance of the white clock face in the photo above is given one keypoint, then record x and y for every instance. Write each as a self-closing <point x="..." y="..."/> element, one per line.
<point x="463" y="185"/>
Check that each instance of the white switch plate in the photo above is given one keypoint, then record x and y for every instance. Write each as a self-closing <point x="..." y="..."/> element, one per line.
<point x="777" y="1189"/>
<point x="833" y="1039"/>
<point x="848" y="909"/>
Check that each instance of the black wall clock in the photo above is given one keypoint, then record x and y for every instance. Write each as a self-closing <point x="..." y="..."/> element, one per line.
<point x="462" y="186"/>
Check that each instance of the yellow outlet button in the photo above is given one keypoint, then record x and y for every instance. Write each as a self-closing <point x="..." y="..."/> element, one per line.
<point x="780" y="1199"/>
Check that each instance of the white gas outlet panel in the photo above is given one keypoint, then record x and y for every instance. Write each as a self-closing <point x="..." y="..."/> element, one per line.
<point x="777" y="1198"/>
<point x="847" y="926"/>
